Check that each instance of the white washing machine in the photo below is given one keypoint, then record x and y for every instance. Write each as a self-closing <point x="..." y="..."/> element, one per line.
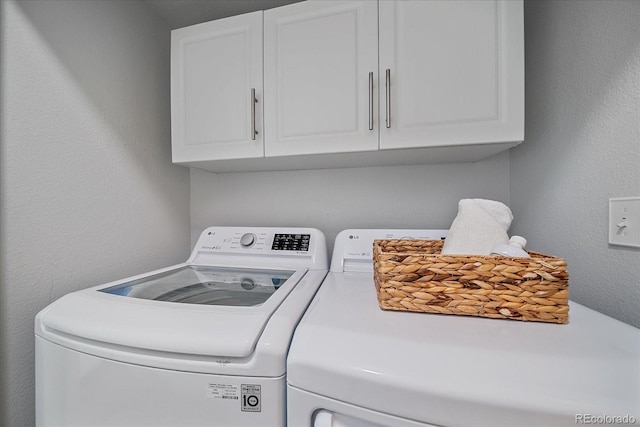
<point x="203" y="343"/>
<point x="353" y="364"/>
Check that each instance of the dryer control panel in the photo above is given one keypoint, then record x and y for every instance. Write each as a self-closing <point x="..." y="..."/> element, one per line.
<point x="353" y="250"/>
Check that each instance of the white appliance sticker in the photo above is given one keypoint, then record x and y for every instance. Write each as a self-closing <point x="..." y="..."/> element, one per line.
<point x="223" y="391"/>
<point x="251" y="398"/>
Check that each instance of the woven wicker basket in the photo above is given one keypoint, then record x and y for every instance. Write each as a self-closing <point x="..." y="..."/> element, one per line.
<point x="412" y="275"/>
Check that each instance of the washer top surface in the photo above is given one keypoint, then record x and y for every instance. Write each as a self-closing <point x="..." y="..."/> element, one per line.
<point x="232" y="307"/>
<point x="456" y="370"/>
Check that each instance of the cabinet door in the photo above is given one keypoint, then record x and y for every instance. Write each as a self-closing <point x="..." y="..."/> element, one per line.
<point x="318" y="60"/>
<point x="456" y="71"/>
<point x="214" y="67"/>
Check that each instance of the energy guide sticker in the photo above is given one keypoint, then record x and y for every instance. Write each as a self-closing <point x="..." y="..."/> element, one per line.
<point x="223" y="391"/>
<point x="251" y="398"/>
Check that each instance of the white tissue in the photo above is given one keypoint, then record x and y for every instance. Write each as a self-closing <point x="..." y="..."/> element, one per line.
<point x="479" y="226"/>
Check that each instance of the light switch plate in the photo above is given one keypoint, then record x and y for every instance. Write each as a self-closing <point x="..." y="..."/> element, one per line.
<point x="624" y="221"/>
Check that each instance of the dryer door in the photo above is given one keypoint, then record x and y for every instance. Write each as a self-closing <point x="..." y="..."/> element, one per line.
<point x="329" y="419"/>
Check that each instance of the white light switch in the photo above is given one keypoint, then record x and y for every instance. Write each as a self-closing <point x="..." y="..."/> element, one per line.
<point x="624" y="221"/>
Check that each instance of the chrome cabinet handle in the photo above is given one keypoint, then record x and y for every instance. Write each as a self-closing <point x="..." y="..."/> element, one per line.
<point x="388" y="87"/>
<point x="371" y="100"/>
<point x="253" y="102"/>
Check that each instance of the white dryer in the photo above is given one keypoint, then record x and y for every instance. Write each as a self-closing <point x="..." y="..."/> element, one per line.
<point x="199" y="343"/>
<point x="353" y="364"/>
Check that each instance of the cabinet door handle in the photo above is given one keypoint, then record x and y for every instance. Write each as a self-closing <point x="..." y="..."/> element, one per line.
<point x="253" y="102"/>
<point x="388" y="90"/>
<point x="371" y="100"/>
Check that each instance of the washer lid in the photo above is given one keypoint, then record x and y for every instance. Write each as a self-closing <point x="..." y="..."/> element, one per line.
<point x="456" y="370"/>
<point x="206" y="285"/>
<point x="193" y="310"/>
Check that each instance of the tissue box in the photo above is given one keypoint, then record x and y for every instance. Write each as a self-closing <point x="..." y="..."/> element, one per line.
<point x="412" y="275"/>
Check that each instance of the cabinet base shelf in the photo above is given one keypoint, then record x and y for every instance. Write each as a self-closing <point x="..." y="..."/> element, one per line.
<point x="418" y="156"/>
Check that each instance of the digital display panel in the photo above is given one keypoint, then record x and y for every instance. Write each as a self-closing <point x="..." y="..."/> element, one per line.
<point x="291" y="242"/>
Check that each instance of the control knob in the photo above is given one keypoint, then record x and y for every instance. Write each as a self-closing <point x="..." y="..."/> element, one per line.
<point x="247" y="240"/>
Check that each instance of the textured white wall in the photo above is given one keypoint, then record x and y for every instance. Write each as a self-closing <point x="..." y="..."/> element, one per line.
<point x="336" y="199"/>
<point x="89" y="194"/>
<point x="582" y="144"/>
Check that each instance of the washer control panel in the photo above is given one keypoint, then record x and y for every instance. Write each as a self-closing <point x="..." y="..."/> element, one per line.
<point x="260" y="241"/>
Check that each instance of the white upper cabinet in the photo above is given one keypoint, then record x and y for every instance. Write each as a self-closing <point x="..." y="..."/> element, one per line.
<point x="320" y="73"/>
<point x="349" y="83"/>
<point x="451" y="73"/>
<point x="215" y="67"/>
